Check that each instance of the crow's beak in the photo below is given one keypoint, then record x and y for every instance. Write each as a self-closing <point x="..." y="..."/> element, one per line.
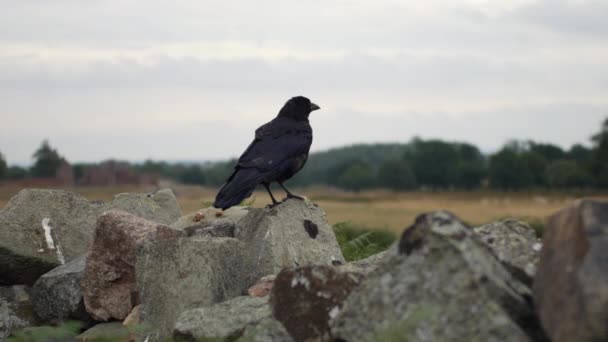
<point x="314" y="107"/>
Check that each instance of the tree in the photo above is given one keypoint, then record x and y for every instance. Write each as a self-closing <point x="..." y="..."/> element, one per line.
<point x="47" y="161"/>
<point x="508" y="171"/>
<point x="549" y="152"/>
<point x="433" y="162"/>
<point x="16" y="173"/>
<point x="468" y="175"/>
<point x="357" y="176"/>
<point x="567" y="174"/>
<point x="3" y="167"/>
<point x="580" y="154"/>
<point x="599" y="158"/>
<point x="536" y="164"/>
<point x="396" y="174"/>
<point x="192" y="174"/>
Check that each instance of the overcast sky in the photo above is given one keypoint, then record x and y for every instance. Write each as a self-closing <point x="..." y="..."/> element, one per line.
<point x="192" y="79"/>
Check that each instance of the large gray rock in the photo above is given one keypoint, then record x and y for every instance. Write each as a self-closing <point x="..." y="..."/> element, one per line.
<point x="160" y="206"/>
<point x="225" y="320"/>
<point x="187" y="273"/>
<point x="109" y="285"/>
<point x="204" y="217"/>
<point x="515" y="244"/>
<point x="56" y="294"/>
<point x="203" y="269"/>
<point x="444" y="285"/>
<point x="267" y="330"/>
<point x="42" y="229"/>
<point x="27" y="248"/>
<point x="16" y="310"/>
<point x="571" y="285"/>
<point x="291" y="234"/>
<point x="369" y="264"/>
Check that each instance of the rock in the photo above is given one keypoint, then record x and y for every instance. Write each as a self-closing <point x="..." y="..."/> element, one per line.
<point x="263" y="287"/>
<point x="369" y="264"/>
<point x="305" y="298"/>
<point x="161" y="206"/>
<point x="113" y="331"/>
<point x="267" y="330"/>
<point x="134" y="318"/>
<point x="515" y="244"/>
<point x="187" y="273"/>
<point x="293" y="233"/>
<point x="56" y="294"/>
<point x="16" y="310"/>
<point x="443" y="285"/>
<point x="108" y="284"/>
<point x="203" y="270"/>
<point x="571" y="285"/>
<point x="226" y="320"/>
<point x="213" y="229"/>
<point x="209" y="215"/>
<point x="27" y="248"/>
<point x="42" y="229"/>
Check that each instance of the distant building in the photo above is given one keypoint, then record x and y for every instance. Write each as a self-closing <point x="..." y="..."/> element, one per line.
<point x="112" y="172"/>
<point x="65" y="173"/>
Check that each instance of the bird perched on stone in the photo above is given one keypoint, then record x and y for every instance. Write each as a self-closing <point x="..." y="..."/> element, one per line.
<point x="279" y="150"/>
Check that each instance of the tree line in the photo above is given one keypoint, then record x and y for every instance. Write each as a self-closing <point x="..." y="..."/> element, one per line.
<point x="429" y="164"/>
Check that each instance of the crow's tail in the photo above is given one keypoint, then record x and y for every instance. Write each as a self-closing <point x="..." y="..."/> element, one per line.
<point x="239" y="186"/>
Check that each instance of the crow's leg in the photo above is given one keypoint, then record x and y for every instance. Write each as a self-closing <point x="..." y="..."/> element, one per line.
<point x="274" y="201"/>
<point x="289" y="194"/>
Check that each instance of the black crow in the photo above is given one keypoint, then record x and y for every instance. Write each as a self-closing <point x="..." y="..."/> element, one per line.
<point x="279" y="151"/>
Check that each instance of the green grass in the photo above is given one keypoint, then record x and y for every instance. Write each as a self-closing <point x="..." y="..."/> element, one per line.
<point x="359" y="242"/>
<point x="64" y="332"/>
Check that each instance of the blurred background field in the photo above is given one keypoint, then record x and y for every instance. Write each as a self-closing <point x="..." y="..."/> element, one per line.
<point x="373" y="209"/>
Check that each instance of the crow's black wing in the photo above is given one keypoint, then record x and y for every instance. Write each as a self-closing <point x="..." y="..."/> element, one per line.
<point x="275" y="142"/>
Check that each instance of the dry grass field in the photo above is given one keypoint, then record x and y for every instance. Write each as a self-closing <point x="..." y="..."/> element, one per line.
<point x="372" y="209"/>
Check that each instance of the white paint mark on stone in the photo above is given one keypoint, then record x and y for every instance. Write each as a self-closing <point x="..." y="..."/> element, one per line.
<point x="50" y="243"/>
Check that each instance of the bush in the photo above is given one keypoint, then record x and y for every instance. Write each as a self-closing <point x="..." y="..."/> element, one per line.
<point x="359" y="242"/>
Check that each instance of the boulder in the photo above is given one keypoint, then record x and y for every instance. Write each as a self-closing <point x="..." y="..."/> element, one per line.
<point x="209" y="215"/>
<point x="515" y="244"/>
<point x="305" y="298"/>
<point x="16" y="310"/>
<point x="267" y="330"/>
<point x="226" y="320"/>
<point x="262" y="287"/>
<point x="134" y="318"/>
<point x="571" y="285"/>
<point x="187" y="273"/>
<point x="291" y="234"/>
<point x="369" y="264"/>
<point x="42" y="229"/>
<point x="443" y="285"/>
<point x="160" y="206"/>
<point x="212" y="229"/>
<point x="108" y="285"/>
<point x="56" y="294"/>
<point x="204" y="269"/>
<point x="113" y="331"/>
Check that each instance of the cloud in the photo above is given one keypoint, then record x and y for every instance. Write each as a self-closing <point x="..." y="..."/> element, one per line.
<point x="100" y="70"/>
